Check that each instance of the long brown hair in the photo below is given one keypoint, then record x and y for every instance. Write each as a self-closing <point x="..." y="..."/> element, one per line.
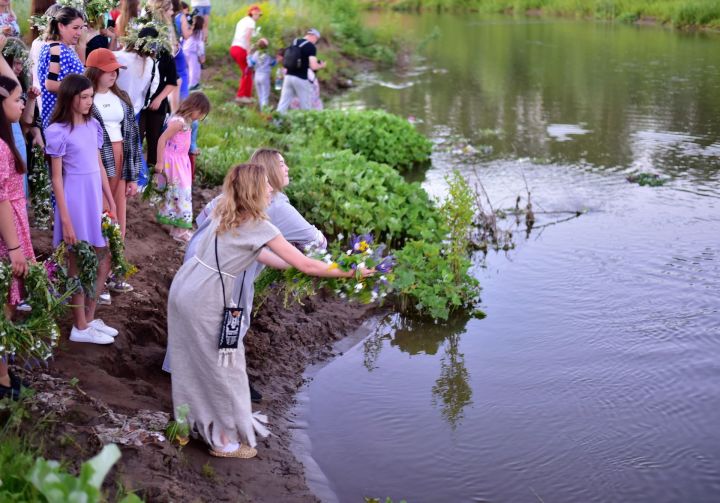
<point x="195" y="102"/>
<point x="128" y="11"/>
<point x="244" y="197"/>
<point x="71" y="86"/>
<point x="7" y="87"/>
<point x="94" y="75"/>
<point x="270" y="158"/>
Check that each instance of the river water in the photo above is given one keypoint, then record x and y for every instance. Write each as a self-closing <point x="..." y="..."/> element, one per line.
<point x="596" y="374"/>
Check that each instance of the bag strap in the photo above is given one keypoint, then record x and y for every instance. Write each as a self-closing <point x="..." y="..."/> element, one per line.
<point x="152" y="77"/>
<point x="222" y="282"/>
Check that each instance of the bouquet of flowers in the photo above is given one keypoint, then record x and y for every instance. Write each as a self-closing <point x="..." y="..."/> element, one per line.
<point x="121" y="268"/>
<point x="40" y="189"/>
<point x="154" y="191"/>
<point x="356" y="255"/>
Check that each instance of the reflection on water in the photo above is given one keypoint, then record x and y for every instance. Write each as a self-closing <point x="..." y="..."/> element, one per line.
<point x="594" y="376"/>
<point x="451" y="391"/>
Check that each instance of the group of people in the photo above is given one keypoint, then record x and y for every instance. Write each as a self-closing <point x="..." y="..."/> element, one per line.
<point x="295" y="67"/>
<point x="89" y="110"/>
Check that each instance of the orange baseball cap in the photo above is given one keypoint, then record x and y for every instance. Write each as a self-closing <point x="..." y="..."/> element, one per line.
<point x="104" y="59"/>
<point x="254" y="8"/>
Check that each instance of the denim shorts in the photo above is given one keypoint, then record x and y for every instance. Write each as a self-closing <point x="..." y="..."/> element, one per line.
<point x="203" y="10"/>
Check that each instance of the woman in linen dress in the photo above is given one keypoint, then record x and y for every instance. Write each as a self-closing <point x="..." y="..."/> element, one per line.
<point x="216" y="390"/>
<point x="57" y="60"/>
<point x="79" y="183"/>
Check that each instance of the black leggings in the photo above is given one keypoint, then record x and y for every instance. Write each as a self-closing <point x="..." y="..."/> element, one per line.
<point x="151" y="127"/>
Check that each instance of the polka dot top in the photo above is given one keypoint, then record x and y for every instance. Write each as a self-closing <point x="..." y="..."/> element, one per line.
<point x="69" y="63"/>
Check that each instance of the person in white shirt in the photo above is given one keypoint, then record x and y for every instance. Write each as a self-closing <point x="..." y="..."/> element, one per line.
<point x="120" y="153"/>
<point x="240" y="49"/>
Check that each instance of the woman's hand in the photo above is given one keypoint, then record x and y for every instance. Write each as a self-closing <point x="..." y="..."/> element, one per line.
<point x="3" y="41"/>
<point x="113" y="210"/>
<point x="155" y="104"/>
<point x="365" y="272"/>
<point x="18" y="263"/>
<point x="131" y="189"/>
<point x="69" y="234"/>
<point x="33" y="93"/>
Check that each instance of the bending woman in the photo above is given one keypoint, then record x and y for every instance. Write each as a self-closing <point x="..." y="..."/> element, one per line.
<point x="282" y="215"/>
<point x="210" y="380"/>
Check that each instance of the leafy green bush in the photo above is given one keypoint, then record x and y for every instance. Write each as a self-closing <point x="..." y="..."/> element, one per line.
<point x="342" y="192"/>
<point x="377" y="135"/>
<point x="427" y="282"/>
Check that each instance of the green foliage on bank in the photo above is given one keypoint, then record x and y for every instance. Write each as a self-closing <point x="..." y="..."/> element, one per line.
<point x="678" y="13"/>
<point x="374" y="134"/>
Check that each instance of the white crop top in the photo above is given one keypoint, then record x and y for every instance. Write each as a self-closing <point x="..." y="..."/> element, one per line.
<point x="112" y="113"/>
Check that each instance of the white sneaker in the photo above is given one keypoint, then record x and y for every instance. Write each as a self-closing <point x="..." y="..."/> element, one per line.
<point x="104" y="298"/>
<point x="100" y="326"/>
<point x="90" y="335"/>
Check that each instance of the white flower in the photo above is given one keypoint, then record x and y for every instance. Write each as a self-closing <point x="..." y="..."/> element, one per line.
<point x="361" y="265"/>
<point x="368" y="251"/>
<point x="358" y="287"/>
<point x="349" y="252"/>
<point x="374" y="295"/>
<point x="340" y="236"/>
<point x="382" y="277"/>
<point x="342" y="295"/>
<point x="357" y="246"/>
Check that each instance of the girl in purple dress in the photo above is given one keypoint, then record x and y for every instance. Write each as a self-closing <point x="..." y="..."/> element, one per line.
<point x="74" y="139"/>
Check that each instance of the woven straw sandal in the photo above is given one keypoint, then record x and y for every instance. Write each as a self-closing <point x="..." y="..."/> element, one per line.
<point x="242" y="452"/>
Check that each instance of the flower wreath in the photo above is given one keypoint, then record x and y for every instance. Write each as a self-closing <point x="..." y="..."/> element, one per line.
<point x="36" y="335"/>
<point x="18" y="51"/>
<point x="40" y="189"/>
<point x="148" y="46"/>
<point x="111" y="230"/>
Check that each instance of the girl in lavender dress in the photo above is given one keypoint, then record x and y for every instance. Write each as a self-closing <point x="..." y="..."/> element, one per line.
<point x="73" y="141"/>
<point x="173" y="164"/>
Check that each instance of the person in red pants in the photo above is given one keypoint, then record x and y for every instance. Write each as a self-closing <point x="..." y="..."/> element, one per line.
<point x="240" y="49"/>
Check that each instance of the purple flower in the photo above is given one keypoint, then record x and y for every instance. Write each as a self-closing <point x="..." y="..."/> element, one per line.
<point x="386" y="265"/>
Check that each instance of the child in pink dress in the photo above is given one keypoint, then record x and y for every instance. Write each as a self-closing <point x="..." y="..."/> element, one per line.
<point x="15" y="245"/>
<point x="173" y="162"/>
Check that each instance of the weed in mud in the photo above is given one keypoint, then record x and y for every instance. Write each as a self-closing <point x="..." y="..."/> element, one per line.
<point x="208" y="471"/>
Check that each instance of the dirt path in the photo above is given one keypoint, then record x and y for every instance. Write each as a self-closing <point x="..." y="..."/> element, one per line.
<point x="122" y="390"/>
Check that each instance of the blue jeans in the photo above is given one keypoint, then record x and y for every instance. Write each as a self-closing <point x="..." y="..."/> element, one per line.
<point x="193" y="136"/>
<point x="144" y="177"/>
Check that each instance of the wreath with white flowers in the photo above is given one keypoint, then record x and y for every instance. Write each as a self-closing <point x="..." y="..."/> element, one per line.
<point x="37" y="334"/>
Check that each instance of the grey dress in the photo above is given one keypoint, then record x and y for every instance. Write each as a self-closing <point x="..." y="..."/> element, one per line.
<point x="218" y="397"/>
<point x="289" y="222"/>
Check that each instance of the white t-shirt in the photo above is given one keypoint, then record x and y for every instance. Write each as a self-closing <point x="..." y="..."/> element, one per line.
<point x="35" y="49"/>
<point x="241" y="32"/>
<point x="112" y="113"/>
<point x="199" y="3"/>
<point x="135" y="79"/>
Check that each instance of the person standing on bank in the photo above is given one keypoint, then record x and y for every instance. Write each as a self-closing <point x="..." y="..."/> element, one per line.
<point x="300" y="56"/>
<point x="209" y="373"/>
<point x="240" y="49"/>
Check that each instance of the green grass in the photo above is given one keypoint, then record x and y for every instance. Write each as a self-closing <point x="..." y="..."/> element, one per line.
<point x="677" y="13"/>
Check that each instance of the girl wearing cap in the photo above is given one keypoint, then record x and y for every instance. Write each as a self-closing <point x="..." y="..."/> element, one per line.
<point x="79" y="182"/>
<point x="57" y="60"/>
<point x="240" y="49"/>
<point x="120" y="152"/>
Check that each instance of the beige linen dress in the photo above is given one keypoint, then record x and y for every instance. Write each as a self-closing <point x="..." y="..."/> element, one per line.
<point x="218" y="397"/>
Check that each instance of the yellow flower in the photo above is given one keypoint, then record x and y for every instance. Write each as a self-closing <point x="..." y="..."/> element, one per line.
<point x="332" y="266"/>
<point x="363" y="246"/>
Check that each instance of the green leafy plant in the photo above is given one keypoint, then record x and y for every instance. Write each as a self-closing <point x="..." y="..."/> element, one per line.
<point x="377" y="135"/>
<point x="179" y="429"/>
<point x="87" y="263"/>
<point x="111" y="230"/>
<point x="40" y="190"/>
<point x="59" y="486"/>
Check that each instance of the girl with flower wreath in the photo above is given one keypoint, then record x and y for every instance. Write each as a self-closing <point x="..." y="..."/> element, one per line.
<point x="173" y="163"/>
<point x="15" y="244"/>
<point x="74" y="139"/>
<point x="121" y="153"/>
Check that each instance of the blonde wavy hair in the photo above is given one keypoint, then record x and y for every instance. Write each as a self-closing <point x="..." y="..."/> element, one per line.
<point x="244" y="197"/>
<point x="270" y="158"/>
